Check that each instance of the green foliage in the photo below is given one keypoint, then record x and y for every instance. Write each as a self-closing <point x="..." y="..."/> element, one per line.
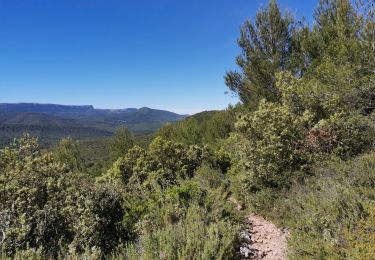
<point x="27" y="178"/>
<point x="294" y="152"/>
<point x="342" y="37"/>
<point x="121" y="142"/>
<point x="362" y="238"/>
<point x="179" y="220"/>
<point x="165" y="163"/>
<point x="321" y="214"/>
<point x="343" y="134"/>
<point x="44" y="206"/>
<point x="327" y="211"/>
<point x="67" y="152"/>
<point x="192" y="238"/>
<point x="337" y="30"/>
<point x="169" y="187"/>
<point x="203" y="128"/>
<point x="49" y="135"/>
<point x="144" y="174"/>
<point x="331" y="88"/>
<point x="271" y="144"/>
<point x="267" y="47"/>
<point x="29" y="254"/>
<point x="95" y="155"/>
<point x="280" y="138"/>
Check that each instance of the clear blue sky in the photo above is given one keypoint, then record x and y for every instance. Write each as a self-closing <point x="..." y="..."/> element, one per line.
<point x="168" y="54"/>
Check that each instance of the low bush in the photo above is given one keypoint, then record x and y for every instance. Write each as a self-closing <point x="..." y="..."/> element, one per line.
<point x="330" y="213"/>
<point x="194" y="237"/>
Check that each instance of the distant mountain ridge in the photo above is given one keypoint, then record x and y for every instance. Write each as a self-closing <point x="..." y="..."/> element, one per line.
<point x="52" y="121"/>
<point x="42" y="108"/>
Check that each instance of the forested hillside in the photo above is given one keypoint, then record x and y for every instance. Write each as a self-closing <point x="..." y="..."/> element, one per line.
<point x="297" y="150"/>
<point x="50" y="123"/>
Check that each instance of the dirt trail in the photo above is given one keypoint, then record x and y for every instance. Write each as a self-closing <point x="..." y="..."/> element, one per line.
<point x="261" y="239"/>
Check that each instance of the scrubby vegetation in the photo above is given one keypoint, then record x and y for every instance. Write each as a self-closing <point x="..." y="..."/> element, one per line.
<point x="298" y="150"/>
<point x="49" y="206"/>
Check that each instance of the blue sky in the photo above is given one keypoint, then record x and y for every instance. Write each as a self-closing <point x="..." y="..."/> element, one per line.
<point x="167" y="54"/>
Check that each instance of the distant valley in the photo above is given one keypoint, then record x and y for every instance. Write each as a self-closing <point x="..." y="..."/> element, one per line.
<point x="52" y="122"/>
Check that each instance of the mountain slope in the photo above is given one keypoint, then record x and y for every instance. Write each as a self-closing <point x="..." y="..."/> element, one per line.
<point x="52" y="122"/>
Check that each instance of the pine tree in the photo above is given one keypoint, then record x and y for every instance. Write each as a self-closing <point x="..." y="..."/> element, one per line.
<point x="267" y="47"/>
<point x="121" y="142"/>
<point x="68" y="153"/>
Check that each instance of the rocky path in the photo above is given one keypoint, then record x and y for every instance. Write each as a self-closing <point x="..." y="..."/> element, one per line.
<point x="261" y="239"/>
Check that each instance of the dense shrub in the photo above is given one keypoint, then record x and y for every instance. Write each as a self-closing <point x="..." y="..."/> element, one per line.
<point x="67" y="152"/>
<point x="46" y="207"/>
<point x="193" y="220"/>
<point x="192" y="238"/>
<point x="205" y="128"/>
<point x="271" y="144"/>
<point x="360" y="241"/>
<point x="328" y="212"/>
<point x="164" y="164"/>
<point x="283" y="137"/>
<point x="120" y="143"/>
<point x="176" y="194"/>
<point x="342" y="134"/>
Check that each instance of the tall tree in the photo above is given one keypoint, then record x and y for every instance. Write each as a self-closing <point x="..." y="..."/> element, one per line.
<point x="121" y="142"/>
<point x="343" y="33"/>
<point x="337" y="29"/>
<point x="68" y="153"/>
<point x="341" y="47"/>
<point x="267" y="47"/>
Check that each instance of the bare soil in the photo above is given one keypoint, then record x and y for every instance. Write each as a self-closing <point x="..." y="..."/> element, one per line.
<point x="261" y="239"/>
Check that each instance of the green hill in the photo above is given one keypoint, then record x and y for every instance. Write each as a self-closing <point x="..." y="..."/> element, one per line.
<point x="53" y="122"/>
